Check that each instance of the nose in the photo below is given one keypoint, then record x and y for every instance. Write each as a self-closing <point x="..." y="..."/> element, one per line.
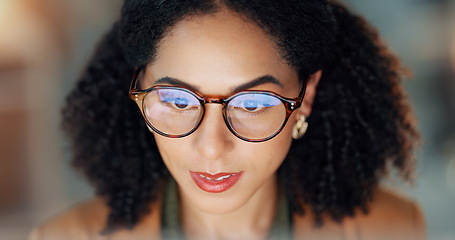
<point x="213" y="138"/>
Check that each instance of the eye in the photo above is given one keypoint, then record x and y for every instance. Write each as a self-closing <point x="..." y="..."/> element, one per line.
<point x="254" y="102"/>
<point x="178" y="103"/>
<point x="178" y="100"/>
<point x="252" y="105"/>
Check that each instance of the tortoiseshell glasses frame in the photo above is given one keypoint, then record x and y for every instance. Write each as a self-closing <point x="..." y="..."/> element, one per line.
<point x="290" y="104"/>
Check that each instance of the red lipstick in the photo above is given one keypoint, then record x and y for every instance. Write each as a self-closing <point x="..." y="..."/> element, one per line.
<point x="217" y="183"/>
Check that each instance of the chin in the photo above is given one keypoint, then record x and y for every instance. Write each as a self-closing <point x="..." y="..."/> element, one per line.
<point x="219" y="205"/>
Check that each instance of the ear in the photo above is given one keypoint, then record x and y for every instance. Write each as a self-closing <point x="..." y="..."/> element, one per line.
<point x="310" y="94"/>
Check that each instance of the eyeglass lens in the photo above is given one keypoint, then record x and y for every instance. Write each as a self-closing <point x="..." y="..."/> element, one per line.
<point x="172" y="111"/>
<point x="255" y="115"/>
<point x="250" y="115"/>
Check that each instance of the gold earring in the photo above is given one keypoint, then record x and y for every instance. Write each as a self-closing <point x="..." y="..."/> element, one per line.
<point x="299" y="128"/>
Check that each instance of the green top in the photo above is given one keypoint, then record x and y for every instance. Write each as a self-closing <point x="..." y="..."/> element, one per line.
<point x="171" y="228"/>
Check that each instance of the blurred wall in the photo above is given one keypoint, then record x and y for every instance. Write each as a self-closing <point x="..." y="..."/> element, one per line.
<point x="32" y="48"/>
<point x="422" y="32"/>
<point x="44" y="45"/>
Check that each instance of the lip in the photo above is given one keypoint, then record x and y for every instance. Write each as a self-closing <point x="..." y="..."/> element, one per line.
<point x="207" y="182"/>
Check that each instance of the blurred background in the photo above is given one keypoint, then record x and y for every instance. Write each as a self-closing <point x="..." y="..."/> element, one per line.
<point x="44" y="45"/>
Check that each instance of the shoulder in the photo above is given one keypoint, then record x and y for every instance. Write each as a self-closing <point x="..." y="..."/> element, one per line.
<point x="88" y="219"/>
<point x="390" y="216"/>
<point x="393" y="208"/>
<point x="83" y="221"/>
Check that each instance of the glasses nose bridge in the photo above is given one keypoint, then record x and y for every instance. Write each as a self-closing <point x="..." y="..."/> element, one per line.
<point x="216" y="100"/>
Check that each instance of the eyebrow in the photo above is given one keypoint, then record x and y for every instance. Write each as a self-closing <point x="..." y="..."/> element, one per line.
<point x="258" y="81"/>
<point x="176" y="82"/>
<point x="253" y="83"/>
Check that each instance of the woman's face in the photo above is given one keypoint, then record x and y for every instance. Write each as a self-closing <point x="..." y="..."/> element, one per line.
<point x="215" y="54"/>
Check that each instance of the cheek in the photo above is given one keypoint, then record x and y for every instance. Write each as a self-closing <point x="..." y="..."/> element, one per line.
<point x="271" y="154"/>
<point x="171" y="150"/>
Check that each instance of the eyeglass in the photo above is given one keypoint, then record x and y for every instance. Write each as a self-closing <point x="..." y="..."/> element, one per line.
<point x="175" y="112"/>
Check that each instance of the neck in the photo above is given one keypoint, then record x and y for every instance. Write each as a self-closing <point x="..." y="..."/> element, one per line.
<point x="250" y="221"/>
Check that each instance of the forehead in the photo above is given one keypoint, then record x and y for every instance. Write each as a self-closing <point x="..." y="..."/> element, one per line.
<point x="217" y="52"/>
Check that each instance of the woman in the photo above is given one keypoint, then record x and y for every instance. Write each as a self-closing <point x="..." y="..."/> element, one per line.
<point x="276" y="119"/>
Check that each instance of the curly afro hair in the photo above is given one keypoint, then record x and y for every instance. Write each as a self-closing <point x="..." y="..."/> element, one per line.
<point x="361" y="122"/>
